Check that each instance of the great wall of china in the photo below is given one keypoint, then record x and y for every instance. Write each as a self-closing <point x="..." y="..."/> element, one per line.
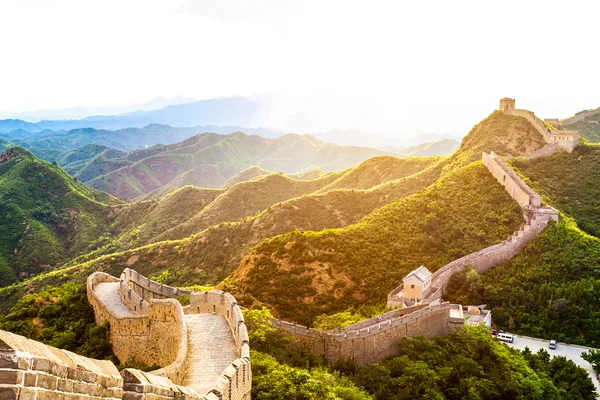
<point x="203" y="347"/>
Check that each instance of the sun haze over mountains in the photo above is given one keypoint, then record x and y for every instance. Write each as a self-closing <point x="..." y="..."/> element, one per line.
<point x="282" y="200"/>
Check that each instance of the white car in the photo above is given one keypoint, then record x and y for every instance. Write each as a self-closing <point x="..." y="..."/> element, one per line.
<point x="553" y="345"/>
<point x="506" y="337"/>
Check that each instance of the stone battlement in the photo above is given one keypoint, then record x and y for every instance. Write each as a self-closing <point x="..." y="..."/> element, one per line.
<point x="149" y="325"/>
<point x="32" y="370"/>
<point x="536" y="216"/>
<point x="376" y="339"/>
<point x="566" y="139"/>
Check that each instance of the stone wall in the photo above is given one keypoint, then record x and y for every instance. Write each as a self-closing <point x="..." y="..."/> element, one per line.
<point x="566" y="139"/>
<point x="376" y="339"/>
<point x="139" y="385"/>
<point x="537" y="218"/>
<point x="508" y="178"/>
<point x="148" y="289"/>
<point x="580" y="116"/>
<point x="545" y="151"/>
<point x="157" y="336"/>
<point x="32" y="370"/>
<point x="483" y="260"/>
<point x="235" y="382"/>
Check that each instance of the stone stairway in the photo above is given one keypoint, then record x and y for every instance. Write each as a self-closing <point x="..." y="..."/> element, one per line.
<point x="108" y="293"/>
<point x="211" y="350"/>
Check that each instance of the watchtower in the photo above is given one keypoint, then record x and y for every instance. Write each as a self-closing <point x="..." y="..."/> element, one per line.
<point x="507" y="104"/>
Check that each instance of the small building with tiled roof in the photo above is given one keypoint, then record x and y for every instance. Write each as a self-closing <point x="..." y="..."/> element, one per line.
<point x="417" y="284"/>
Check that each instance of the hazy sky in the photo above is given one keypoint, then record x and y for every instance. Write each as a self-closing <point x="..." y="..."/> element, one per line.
<point x="373" y="65"/>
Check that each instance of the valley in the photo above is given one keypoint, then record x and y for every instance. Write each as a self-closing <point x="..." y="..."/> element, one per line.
<point x="327" y="236"/>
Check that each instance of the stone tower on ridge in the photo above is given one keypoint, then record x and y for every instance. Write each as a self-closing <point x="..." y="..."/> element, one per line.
<point x="507" y="104"/>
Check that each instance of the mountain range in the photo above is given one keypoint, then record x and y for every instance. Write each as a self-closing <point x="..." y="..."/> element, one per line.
<point x="308" y="246"/>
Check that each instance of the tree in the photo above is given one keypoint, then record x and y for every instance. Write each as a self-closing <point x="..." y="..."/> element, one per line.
<point x="593" y="357"/>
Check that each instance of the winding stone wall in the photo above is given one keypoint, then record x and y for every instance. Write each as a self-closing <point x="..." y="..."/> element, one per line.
<point x="565" y="139"/>
<point x="148" y="289"/>
<point x="158" y="334"/>
<point x="154" y="336"/>
<point x="376" y="339"/>
<point x="545" y="151"/>
<point x="508" y="178"/>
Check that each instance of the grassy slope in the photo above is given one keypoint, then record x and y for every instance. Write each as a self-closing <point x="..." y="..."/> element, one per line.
<point x="570" y="182"/>
<point x="304" y="274"/>
<point x="588" y="128"/>
<point x="245" y="175"/>
<point x="504" y="134"/>
<point x="46" y="216"/>
<point x="562" y="263"/>
<point x="214" y="253"/>
<point x="378" y="170"/>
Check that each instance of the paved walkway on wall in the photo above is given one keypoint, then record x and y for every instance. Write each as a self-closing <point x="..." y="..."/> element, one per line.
<point x="571" y="352"/>
<point x="108" y="293"/>
<point x="211" y="350"/>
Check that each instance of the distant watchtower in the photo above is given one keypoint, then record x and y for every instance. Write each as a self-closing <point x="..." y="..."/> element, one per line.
<point x="507" y="104"/>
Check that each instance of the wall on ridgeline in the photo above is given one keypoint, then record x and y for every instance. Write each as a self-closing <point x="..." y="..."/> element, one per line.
<point x="580" y="116"/>
<point x="566" y="139"/>
<point x="483" y="260"/>
<point x="545" y="151"/>
<point x="235" y="382"/>
<point x="32" y="370"/>
<point x="375" y="339"/>
<point x="508" y="178"/>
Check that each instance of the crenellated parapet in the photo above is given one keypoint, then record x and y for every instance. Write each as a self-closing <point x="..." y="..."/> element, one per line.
<point x="32" y="370"/>
<point x="377" y="338"/>
<point x="152" y="327"/>
<point x="565" y="139"/>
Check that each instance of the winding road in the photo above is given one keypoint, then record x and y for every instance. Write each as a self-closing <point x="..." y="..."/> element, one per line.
<point x="570" y="351"/>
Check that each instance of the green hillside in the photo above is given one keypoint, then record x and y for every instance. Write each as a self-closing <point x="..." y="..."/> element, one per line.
<point x="442" y="148"/>
<point x="589" y="127"/>
<point x="570" y="182"/>
<point x="46" y="216"/>
<point x="504" y="134"/>
<point x="245" y="175"/>
<point x="214" y="253"/>
<point x="377" y="170"/>
<point x="212" y="161"/>
<point x="304" y="274"/>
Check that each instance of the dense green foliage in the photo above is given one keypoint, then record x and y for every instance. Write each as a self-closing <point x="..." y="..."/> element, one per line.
<point x="46" y="216"/>
<point x="593" y="357"/>
<point x="466" y="364"/>
<point x="61" y="317"/>
<point x="305" y="274"/>
<point x="588" y="128"/>
<point x="470" y="364"/>
<point x="549" y="289"/>
<point x="569" y="182"/>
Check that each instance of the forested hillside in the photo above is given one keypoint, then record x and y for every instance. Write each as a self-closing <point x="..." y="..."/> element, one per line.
<point x="588" y="127"/>
<point x="305" y="274"/>
<point x="46" y="216"/>
<point x="313" y="243"/>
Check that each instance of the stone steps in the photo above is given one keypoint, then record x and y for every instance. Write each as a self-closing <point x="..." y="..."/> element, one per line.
<point x="211" y="349"/>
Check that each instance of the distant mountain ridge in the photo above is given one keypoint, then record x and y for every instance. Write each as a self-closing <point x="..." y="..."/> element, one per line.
<point x="209" y="160"/>
<point x="227" y="111"/>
